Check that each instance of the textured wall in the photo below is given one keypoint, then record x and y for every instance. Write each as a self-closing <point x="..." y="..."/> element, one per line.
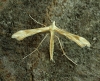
<point x="81" y="17"/>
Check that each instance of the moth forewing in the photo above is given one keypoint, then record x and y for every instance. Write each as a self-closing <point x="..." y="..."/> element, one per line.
<point x="82" y="42"/>
<point x="20" y="35"/>
<point x="79" y="40"/>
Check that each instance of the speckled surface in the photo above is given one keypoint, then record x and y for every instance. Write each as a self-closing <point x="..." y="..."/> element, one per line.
<point x="81" y="17"/>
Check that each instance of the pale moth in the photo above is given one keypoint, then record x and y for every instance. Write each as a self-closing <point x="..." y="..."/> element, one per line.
<point x="82" y="42"/>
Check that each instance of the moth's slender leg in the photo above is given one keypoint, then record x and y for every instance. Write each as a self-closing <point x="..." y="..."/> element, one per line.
<point x="64" y="51"/>
<point x="37" y="47"/>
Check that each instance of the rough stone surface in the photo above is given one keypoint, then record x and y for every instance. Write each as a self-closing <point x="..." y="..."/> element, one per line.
<point x="81" y="17"/>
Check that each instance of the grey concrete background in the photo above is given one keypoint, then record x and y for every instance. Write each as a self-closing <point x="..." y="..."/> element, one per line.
<point x="81" y="17"/>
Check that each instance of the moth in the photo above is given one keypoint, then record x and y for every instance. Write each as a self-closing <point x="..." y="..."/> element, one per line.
<point x="20" y="35"/>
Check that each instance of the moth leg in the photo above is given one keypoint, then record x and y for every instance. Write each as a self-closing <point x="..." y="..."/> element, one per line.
<point x="64" y="51"/>
<point x="36" y="49"/>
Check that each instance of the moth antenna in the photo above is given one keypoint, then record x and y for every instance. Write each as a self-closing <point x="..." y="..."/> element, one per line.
<point x="36" y="20"/>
